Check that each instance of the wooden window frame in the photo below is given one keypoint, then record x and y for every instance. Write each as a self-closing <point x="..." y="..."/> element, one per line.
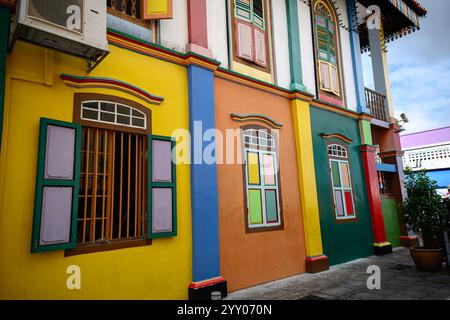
<point x="152" y="25"/>
<point x="346" y="160"/>
<point x="272" y="150"/>
<point x="79" y="98"/>
<point x="268" y="38"/>
<point x="139" y="21"/>
<point x="330" y="93"/>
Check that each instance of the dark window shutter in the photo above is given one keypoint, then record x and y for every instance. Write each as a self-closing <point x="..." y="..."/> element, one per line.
<point x="162" y="195"/>
<point x="258" y="13"/>
<point x="57" y="184"/>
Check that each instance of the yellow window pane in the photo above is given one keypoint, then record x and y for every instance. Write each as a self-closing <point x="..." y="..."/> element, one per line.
<point x="253" y="168"/>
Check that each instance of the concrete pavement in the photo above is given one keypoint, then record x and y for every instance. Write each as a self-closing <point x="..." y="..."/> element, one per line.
<point x="400" y="280"/>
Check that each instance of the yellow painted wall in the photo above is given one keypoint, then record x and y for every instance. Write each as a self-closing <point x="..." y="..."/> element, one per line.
<point x="34" y="90"/>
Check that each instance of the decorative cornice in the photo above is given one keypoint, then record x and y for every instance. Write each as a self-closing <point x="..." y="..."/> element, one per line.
<point x="256" y="117"/>
<point x="261" y="85"/>
<point x="336" y="136"/>
<point x="206" y="283"/>
<point x="107" y="83"/>
<point x="152" y="50"/>
<point x="368" y="148"/>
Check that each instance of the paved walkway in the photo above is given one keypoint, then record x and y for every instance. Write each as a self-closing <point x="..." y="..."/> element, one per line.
<point x="400" y="280"/>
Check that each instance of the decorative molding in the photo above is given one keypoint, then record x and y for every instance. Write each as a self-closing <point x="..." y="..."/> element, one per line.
<point x="107" y="83"/>
<point x="256" y="117"/>
<point x="206" y="283"/>
<point x="336" y="136"/>
<point x="152" y="50"/>
<point x="261" y="85"/>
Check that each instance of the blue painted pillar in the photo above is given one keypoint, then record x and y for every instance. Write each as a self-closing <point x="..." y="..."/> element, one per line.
<point x="356" y="58"/>
<point x="204" y="199"/>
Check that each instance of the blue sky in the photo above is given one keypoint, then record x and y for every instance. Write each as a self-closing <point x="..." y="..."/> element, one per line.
<point x="419" y="70"/>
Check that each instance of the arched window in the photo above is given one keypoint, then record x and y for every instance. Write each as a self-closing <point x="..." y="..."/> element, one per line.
<point x="336" y="150"/>
<point x="113" y="113"/>
<point x="261" y="178"/>
<point x="326" y="28"/>
<point x="344" y="204"/>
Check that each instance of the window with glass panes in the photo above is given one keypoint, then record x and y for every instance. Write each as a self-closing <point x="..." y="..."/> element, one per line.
<point x="261" y="178"/>
<point x="341" y="182"/>
<point x="327" y="49"/>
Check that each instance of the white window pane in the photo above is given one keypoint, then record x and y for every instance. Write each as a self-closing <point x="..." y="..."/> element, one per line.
<point x="162" y="210"/>
<point x="260" y="47"/>
<point x="56" y="215"/>
<point x="60" y="153"/>
<point x="245" y="42"/>
<point x="335" y="80"/>
<point x="325" y="76"/>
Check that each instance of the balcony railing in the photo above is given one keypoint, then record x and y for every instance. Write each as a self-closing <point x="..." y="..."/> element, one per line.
<point x="125" y="8"/>
<point x="376" y="102"/>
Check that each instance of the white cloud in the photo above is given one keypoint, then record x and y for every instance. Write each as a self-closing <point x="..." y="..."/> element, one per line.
<point x="419" y="67"/>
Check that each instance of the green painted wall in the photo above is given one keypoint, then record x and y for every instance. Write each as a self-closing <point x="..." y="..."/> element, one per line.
<point x="391" y="222"/>
<point x="4" y="36"/>
<point x="367" y="131"/>
<point x="341" y="241"/>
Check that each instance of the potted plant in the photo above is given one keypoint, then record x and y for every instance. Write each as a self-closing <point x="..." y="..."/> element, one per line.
<point x="423" y="211"/>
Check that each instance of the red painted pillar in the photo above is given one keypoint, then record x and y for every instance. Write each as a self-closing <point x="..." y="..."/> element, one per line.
<point x="197" y="28"/>
<point x="382" y="246"/>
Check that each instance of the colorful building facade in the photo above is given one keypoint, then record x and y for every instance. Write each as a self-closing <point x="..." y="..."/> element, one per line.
<point x="122" y="167"/>
<point x="429" y="150"/>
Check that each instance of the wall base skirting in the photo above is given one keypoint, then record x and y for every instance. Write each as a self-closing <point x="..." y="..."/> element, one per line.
<point x="202" y="290"/>
<point x="382" y="248"/>
<point x="317" y="264"/>
<point x="409" y="241"/>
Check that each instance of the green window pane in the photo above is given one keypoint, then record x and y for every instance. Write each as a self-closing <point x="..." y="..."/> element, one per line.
<point x="335" y="174"/>
<point x="271" y="206"/>
<point x="254" y="199"/>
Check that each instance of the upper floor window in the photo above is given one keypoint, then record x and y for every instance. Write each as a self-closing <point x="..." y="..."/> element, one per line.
<point x="130" y="8"/>
<point x="326" y="29"/>
<point x="127" y="16"/>
<point x="261" y="179"/>
<point x="250" y="23"/>
<point x="341" y="182"/>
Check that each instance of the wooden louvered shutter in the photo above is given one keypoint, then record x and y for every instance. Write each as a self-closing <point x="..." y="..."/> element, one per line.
<point x="259" y="33"/>
<point x="322" y="38"/>
<point x="243" y="27"/>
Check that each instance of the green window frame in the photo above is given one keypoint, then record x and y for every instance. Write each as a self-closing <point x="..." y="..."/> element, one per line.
<point x="153" y="185"/>
<point x="42" y="182"/>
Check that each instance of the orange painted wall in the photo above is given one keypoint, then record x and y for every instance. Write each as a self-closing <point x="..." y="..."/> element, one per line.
<point x="248" y="259"/>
